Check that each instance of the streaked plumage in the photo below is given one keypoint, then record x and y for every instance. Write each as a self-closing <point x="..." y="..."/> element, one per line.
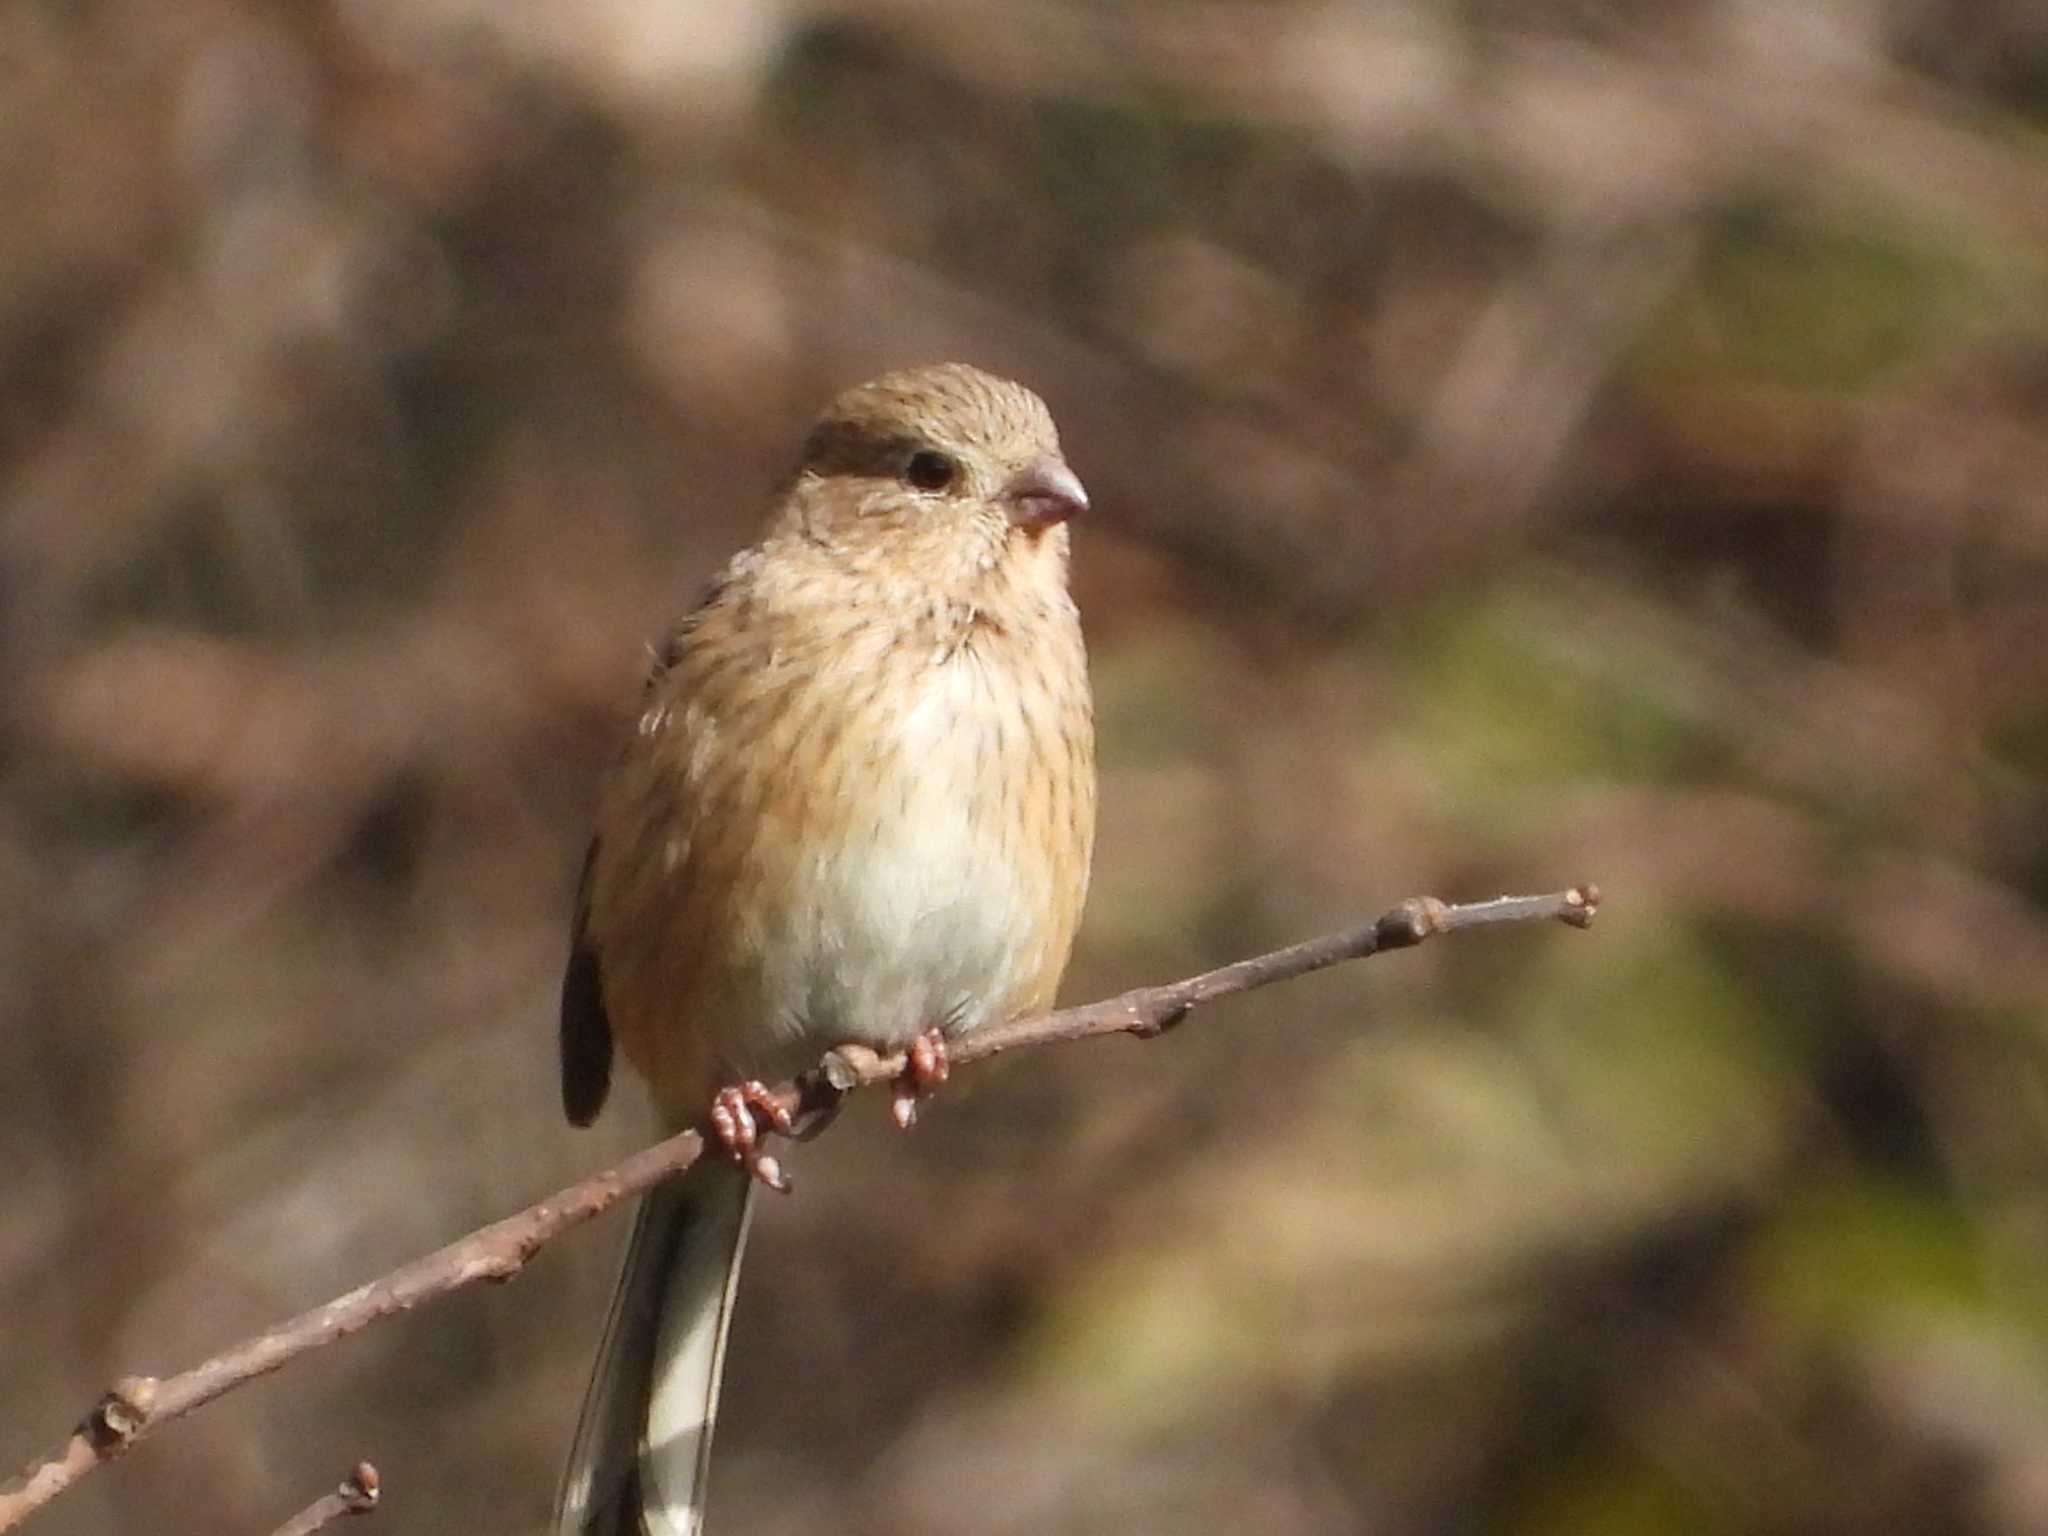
<point x="859" y="803"/>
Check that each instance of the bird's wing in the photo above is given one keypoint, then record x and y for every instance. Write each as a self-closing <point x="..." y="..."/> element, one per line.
<point x="586" y="1034"/>
<point x="586" y="1030"/>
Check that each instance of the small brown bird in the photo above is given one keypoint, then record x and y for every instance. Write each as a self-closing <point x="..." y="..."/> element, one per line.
<point x="858" y="807"/>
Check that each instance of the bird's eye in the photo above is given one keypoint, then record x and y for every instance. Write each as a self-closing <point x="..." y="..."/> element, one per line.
<point x="930" y="470"/>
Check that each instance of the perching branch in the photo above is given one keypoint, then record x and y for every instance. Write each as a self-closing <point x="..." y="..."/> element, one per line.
<point x="357" y="1495"/>
<point x="137" y="1405"/>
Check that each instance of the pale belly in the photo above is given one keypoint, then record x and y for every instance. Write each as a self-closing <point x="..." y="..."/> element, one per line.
<point x="920" y="925"/>
<point x="914" y="902"/>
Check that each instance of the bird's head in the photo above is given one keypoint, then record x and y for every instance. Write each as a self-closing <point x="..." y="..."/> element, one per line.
<point x="948" y="468"/>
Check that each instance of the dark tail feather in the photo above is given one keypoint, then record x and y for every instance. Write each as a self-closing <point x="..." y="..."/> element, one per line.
<point x="642" y="1454"/>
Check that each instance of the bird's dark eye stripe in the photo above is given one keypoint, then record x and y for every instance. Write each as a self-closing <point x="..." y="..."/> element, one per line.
<point x="929" y="470"/>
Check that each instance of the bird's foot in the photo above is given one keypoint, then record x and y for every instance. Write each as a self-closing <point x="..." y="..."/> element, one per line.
<point x="925" y="1066"/>
<point x="741" y="1114"/>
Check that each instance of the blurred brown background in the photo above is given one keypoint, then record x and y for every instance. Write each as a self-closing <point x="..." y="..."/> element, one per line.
<point x="1530" y="443"/>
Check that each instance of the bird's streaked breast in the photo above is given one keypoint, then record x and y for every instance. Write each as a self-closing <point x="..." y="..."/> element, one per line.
<point x="856" y="841"/>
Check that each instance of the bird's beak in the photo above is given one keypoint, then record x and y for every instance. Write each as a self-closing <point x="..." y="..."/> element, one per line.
<point x="1042" y="493"/>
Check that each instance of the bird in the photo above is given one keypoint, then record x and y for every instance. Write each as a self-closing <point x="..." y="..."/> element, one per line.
<point x="857" y="807"/>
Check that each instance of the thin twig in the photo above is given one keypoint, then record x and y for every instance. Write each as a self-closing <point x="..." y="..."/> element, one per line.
<point x="499" y="1251"/>
<point x="357" y="1495"/>
<point x="1148" y="1011"/>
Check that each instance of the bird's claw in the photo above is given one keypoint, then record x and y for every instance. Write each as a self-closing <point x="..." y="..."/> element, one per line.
<point x="740" y="1114"/>
<point x="925" y="1066"/>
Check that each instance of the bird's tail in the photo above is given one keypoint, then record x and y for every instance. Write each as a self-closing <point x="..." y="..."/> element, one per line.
<point x="642" y="1454"/>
